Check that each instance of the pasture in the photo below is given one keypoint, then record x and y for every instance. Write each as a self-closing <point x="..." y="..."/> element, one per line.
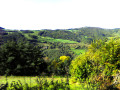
<point x="78" y="51"/>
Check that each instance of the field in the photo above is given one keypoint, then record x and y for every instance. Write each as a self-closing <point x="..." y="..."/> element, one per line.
<point x="26" y="79"/>
<point x="62" y="41"/>
<point x="46" y="39"/>
<point x="78" y="51"/>
<point x="32" y="82"/>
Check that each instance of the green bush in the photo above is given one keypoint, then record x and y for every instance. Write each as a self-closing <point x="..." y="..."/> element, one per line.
<point x="81" y="67"/>
<point x="15" y="85"/>
<point x="101" y="57"/>
<point x="21" y="58"/>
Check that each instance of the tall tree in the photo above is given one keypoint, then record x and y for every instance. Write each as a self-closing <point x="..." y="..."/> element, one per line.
<point x="2" y="33"/>
<point x="21" y="59"/>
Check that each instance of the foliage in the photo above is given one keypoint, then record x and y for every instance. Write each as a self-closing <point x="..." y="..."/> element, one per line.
<point x="49" y="84"/>
<point x="58" y="34"/>
<point x="78" y="51"/>
<point x="21" y="58"/>
<point x="15" y="85"/>
<point x="85" y="35"/>
<point x="60" y="66"/>
<point x="64" y="58"/>
<point x="58" y="43"/>
<point x="42" y="84"/>
<point x="81" y="67"/>
<point x="101" y="57"/>
<point x="2" y="34"/>
<point x="14" y="36"/>
<point x="26" y="31"/>
<point x="55" y="50"/>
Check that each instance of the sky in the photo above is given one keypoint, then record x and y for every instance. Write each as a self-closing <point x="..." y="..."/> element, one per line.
<point x="59" y="14"/>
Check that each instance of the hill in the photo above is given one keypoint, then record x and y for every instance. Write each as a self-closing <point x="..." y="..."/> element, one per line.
<point x="70" y="42"/>
<point x="84" y="35"/>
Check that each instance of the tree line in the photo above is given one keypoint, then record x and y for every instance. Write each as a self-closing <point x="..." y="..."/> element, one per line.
<point x="19" y="56"/>
<point x="85" y="35"/>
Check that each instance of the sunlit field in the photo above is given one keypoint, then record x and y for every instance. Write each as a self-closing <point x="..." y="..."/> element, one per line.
<point x="31" y="81"/>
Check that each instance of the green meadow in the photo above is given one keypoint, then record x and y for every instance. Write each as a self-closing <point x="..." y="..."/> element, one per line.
<point x="78" y="51"/>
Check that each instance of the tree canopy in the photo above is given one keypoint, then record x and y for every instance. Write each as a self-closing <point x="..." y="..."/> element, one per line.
<point x="101" y="57"/>
<point x="21" y="59"/>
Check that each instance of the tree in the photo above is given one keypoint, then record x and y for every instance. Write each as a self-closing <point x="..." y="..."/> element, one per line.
<point x="65" y="61"/>
<point x="14" y="36"/>
<point x="21" y="59"/>
<point x="2" y="33"/>
<point x="101" y="58"/>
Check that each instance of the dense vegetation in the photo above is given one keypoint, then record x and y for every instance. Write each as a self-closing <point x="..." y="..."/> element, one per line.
<point x="21" y="59"/>
<point x="89" y="55"/>
<point x="101" y="63"/>
<point x="86" y="35"/>
<point x="103" y="56"/>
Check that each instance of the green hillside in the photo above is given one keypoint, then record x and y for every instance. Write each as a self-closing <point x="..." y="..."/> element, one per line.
<point x="77" y="39"/>
<point x="84" y="35"/>
<point x="89" y="56"/>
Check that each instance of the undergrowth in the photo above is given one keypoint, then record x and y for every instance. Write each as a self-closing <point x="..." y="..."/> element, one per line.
<point x="44" y="84"/>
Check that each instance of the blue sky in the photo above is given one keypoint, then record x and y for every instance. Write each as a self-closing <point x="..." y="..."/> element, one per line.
<point x="59" y="14"/>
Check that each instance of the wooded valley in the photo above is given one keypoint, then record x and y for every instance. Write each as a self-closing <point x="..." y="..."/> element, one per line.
<point x="89" y="54"/>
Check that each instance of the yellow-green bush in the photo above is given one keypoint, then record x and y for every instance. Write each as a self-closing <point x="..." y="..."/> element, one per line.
<point x="63" y="58"/>
<point x="101" y="57"/>
<point x="81" y="67"/>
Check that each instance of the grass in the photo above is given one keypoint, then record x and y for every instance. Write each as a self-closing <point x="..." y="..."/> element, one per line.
<point x="62" y="41"/>
<point x="31" y="81"/>
<point x="47" y="39"/>
<point x="78" y="51"/>
<point x="25" y="79"/>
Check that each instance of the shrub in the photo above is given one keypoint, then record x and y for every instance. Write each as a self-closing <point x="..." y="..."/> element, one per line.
<point x="81" y="67"/>
<point x="101" y="57"/>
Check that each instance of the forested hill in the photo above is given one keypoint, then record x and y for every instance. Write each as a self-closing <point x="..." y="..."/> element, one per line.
<point x="21" y="45"/>
<point x="85" y="35"/>
<point x="2" y="33"/>
<point x="59" y="42"/>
